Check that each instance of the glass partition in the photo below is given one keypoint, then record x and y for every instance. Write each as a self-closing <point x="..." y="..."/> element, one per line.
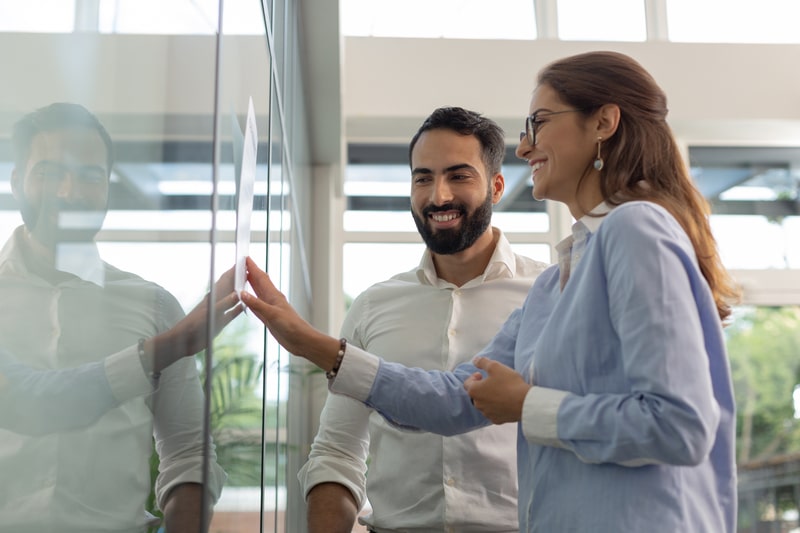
<point x="122" y="132"/>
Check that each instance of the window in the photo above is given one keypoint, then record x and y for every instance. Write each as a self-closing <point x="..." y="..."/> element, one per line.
<point x="453" y="19"/>
<point x="733" y="21"/>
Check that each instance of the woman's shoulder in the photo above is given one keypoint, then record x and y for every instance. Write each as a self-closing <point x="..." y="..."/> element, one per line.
<point x="641" y="216"/>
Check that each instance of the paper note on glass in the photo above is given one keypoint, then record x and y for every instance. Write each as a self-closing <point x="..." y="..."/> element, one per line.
<point x="244" y="209"/>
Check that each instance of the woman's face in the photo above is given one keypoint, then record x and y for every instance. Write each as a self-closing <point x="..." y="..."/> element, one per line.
<point x="566" y="146"/>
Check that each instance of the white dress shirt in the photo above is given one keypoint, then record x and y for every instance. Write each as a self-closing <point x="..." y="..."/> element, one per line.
<point x="96" y="478"/>
<point x="420" y="481"/>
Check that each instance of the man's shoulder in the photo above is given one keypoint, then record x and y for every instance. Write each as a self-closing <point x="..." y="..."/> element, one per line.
<point x="529" y="268"/>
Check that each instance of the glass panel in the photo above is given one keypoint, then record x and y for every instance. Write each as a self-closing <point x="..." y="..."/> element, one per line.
<point x="179" y="17"/>
<point x="733" y="21"/>
<point x="455" y="19"/>
<point x="753" y="194"/>
<point x="763" y="343"/>
<point x="757" y="242"/>
<point x="611" y="20"/>
<point x="243" y="398"/>
<point x="70" y="318"/>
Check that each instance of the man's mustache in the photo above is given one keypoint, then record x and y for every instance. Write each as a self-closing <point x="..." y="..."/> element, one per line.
<point x="430" y="209"/>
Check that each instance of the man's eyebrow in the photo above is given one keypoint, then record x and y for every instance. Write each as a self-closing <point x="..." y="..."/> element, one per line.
<point x="460" y="167"/>
<point x="453" y="168"/>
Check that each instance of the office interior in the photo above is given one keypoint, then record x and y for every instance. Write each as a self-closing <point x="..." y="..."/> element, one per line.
<point x="336" y="100"/>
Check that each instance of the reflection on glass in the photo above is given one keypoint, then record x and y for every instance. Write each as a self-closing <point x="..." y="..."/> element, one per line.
<point x="114" y="347"/>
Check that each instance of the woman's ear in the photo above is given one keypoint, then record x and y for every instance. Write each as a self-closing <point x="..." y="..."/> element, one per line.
<point x="607" y="120"/>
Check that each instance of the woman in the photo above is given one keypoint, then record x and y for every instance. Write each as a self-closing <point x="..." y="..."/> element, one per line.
<point x="615" y="366"/>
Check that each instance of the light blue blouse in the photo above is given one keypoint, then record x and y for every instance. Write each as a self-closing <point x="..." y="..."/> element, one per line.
<point x="630" y="424"/>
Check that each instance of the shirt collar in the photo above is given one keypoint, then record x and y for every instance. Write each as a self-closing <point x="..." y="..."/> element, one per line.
<point x="592" y="221"/>
<point x="81" y="260"/>
<point x="502" y="263"/>
<point x="583" y="227"/>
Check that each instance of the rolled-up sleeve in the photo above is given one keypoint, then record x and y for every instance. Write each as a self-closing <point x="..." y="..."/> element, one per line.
<point x="178" y="428"/>
<point x="339" y="451"/>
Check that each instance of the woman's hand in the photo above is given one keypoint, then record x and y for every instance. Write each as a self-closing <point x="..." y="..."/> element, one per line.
<point x="283" y="322"/>
<point x="499" y="395"/>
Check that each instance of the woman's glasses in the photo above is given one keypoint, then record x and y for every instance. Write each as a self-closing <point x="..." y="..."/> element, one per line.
<point x="533" y="123"/>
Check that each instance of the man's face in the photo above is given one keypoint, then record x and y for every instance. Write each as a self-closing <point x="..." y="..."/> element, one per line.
<point x="63" y="189"/>
<point x="451" y="196"/>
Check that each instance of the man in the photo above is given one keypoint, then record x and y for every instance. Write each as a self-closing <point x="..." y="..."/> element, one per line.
<point x="448" y="308"/>
<point x="70" y="318"/>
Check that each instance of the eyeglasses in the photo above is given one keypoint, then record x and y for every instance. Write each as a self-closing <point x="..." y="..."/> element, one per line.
<point x="533" y="123"/>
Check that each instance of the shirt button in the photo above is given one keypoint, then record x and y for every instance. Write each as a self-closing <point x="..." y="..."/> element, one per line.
<point x="451" y="482"/>
<point x="451" y="332"/>
<point x="457" y="292"/>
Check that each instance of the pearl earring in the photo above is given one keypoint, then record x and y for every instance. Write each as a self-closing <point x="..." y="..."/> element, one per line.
<point x="598" y="162"/>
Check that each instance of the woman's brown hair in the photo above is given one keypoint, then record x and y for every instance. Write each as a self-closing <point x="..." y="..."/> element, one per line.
<point x="642" y="159"/>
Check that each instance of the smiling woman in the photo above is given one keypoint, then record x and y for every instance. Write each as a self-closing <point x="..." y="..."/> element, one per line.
<point x="638" y="295"/>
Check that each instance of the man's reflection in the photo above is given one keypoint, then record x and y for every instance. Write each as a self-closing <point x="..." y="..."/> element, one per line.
<point x="69" y="318"/>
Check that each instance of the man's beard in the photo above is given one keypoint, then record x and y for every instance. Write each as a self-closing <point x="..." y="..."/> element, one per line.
<point x="454" y="240"/>
<point x="56" y="222"/>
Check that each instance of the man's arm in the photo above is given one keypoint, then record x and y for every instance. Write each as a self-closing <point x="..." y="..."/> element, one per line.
<point x="331" y="509"/>
<point x="182" y="511"/>
<point x="36" y="402"/>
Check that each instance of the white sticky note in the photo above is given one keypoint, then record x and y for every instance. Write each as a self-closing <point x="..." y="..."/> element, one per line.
<point x="244" y="209"/>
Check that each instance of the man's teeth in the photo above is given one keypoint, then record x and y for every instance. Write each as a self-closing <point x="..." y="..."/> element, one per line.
<point x="444" y="217"/>
<point x="536" y="166"/>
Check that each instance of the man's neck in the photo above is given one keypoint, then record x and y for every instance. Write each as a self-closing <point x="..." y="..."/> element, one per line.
<point x="41" y="260"/>
<point x="461" y="267"/>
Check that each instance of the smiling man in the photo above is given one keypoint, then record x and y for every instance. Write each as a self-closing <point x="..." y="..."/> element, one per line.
<point x="434" y="317"/>
<point x="71" y="320"/>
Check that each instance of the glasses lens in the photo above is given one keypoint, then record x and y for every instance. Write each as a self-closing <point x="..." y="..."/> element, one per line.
<point x="530" y="130"/>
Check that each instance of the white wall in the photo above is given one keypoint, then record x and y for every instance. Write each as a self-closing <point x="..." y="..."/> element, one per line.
<point x="718" y="93"/>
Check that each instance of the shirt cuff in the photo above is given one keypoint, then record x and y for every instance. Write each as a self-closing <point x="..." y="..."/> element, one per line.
<point x="320" y="470"/>
<point x="125" y="375"/>
<point x="540" y="415"/>
<point x="356" y="374"/>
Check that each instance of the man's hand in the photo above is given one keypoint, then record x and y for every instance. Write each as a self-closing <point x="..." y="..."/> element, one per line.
<point x="190" y="335"/>
<point x="499" y="395"/>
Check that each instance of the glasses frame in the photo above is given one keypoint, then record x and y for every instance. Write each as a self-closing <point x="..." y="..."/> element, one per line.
<point x="533" y="122"/>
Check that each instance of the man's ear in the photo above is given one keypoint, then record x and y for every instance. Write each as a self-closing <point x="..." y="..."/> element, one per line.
<point x="498" y="185"/>
<point x="607" y="120"/>
<point x="16" y="183"/>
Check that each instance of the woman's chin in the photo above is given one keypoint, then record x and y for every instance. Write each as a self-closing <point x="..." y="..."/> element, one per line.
<point x="538" y="193"/>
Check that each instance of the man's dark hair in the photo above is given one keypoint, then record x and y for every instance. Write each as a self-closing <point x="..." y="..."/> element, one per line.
<point x="466" y="122"/>
<point x="57" y="116"/>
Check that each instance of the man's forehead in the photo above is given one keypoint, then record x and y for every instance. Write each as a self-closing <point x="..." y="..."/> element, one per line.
<point x="78" y="143"/>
